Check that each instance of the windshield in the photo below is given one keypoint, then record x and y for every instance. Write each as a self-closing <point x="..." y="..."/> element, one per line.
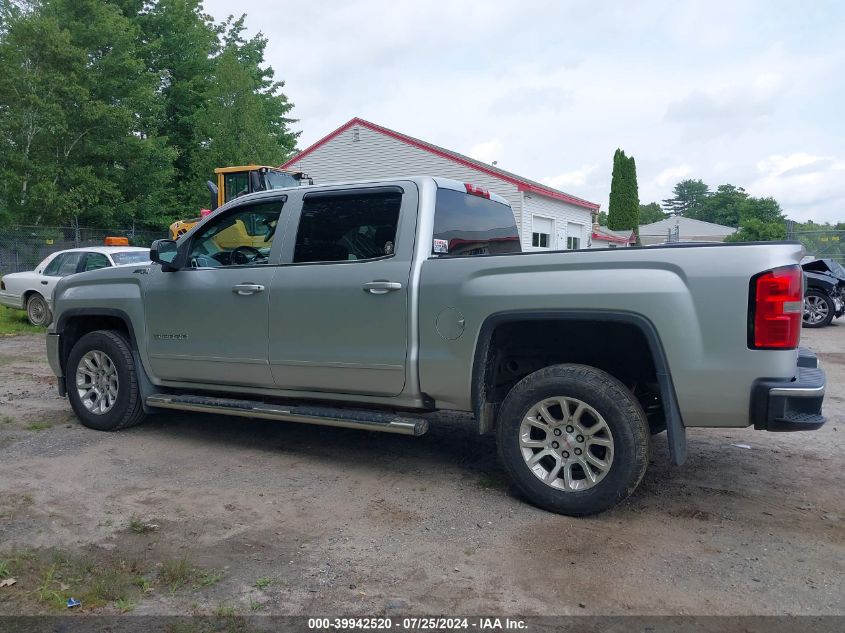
<point x="278" y="180"/>
<point x="131" y="257"/>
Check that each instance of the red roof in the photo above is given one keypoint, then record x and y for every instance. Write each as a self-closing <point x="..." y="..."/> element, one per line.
<point x="607" y="237"/>
<point x="523" y="184"/>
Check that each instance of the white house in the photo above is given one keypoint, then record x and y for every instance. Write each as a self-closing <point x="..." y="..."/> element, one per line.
<point x="547" y="218"/>
<point x="678" y="228"/>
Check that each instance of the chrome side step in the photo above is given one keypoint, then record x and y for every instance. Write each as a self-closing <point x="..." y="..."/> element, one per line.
<point x="308" y="414"/>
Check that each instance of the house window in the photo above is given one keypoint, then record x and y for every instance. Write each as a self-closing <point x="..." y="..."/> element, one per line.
<point x="574" y="233"/>
<point x="356" y="134"/>
<point x="541" y="232"/>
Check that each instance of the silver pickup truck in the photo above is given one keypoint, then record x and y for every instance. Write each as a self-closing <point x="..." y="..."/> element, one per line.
<point x="365" y="305"/>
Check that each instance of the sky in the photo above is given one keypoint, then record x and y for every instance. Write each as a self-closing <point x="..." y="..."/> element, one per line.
<point x="748" y="92"/>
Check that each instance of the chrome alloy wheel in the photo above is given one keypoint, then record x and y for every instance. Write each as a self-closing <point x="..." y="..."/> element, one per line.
<point x="815" y="309"/>
<point x="96" y="382"/>
<point x="566" y="443"/>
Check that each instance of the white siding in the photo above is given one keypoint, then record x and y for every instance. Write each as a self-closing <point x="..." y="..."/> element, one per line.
<point x="561" y="213"/>
<point x="377" y="155"/>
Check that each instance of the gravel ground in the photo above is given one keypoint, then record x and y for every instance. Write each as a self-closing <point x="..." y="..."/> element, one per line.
<point x="350" y="522"/>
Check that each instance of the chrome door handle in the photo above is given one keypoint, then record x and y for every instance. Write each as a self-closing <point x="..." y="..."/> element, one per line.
<point x="381" y="287"/>
<point x="247" y="289"/>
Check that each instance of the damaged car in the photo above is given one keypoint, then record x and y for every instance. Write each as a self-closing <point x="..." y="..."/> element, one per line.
<point x="823" y="294"/>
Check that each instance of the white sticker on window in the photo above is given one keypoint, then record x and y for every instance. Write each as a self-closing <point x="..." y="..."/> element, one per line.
<point x="441" y="246"/>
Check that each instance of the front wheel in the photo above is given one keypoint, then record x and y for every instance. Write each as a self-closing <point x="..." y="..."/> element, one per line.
<point x="37" y="310"/>
<point x="574" y="439"/>
<point x="818" y="309"/>
<point x="102" y="382"/>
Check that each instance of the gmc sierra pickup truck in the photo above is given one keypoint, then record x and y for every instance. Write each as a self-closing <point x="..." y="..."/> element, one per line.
<point x="365" y="305"/>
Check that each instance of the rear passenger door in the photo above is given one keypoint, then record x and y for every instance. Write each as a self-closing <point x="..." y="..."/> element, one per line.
<point x="339" y="302"/>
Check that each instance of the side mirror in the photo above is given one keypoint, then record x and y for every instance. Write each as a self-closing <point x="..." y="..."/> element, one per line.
<point x="166" y="253"/>
<point x="212" y="189"/>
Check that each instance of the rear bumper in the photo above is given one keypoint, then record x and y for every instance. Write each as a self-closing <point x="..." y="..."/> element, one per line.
<point x="791" y="405"/>
<point x="11" y="300"/>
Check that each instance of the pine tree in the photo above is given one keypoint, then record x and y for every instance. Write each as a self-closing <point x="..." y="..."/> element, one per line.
<point x="624" y="208"/>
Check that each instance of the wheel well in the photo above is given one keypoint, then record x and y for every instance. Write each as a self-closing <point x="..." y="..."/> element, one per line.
<point x="74" y="328"/>
<point x="28" y="294"/>
<point x="518" y="348"/>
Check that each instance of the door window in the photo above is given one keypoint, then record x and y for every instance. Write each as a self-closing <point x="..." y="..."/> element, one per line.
<point x="348" y="227"/>
<point x="236" y="184"/>
<point x="242" y="237"/>
<point x="64" y="265"/>
<point x="95" y="261"/>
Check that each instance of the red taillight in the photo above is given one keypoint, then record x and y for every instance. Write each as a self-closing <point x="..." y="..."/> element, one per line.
<point x="474" y="190"/>
<point x="778" y="303"/>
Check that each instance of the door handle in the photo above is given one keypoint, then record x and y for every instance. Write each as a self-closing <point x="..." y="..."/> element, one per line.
<point x="380" y="287"/>
<point x="247" y="289"/>
<point x="43" y="283"/>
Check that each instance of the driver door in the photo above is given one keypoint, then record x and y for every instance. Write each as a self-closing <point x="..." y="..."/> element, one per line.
<point x="209" y="321"/>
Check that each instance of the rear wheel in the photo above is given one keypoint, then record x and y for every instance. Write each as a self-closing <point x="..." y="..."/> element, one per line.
<point x="103" y="382"/>
<point x="573" y="439"/>
<point x="37" y="310"/>
<point x="818" y="309"/>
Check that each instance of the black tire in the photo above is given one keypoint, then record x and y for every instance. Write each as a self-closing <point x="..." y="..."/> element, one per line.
<point x="823" y="301"/>
<point x="624" y="418"/>
<point x="37" y="310"/>
<point x="127" y="409"/>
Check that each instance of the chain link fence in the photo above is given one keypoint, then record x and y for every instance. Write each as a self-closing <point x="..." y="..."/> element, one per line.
<point x="820" y="243"/>
<point x="23" y="247"/>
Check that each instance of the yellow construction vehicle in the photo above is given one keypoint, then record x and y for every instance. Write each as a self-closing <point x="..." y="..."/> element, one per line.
<point x="233" y="182"/>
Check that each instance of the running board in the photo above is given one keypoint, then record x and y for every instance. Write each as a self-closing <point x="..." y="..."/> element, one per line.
<point x="327" y="416"/>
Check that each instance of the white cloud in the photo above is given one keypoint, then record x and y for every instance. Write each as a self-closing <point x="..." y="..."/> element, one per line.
<point x="669" y="176"/>
<point x="488" y="151"/>
<point x="807" y="186"/>
<point x="577" y="178"/>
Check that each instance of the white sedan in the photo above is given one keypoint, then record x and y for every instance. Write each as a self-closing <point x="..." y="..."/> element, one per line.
<point x="33" y="291"/>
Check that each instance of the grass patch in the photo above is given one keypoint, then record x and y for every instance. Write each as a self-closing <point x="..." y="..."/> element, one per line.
<point x="224" y="611"/>
<point x="177" y="573"/>
<point x="39" y="426"/>
<point x="47" y="578"/>
<point x="124" y="606"/>
<point x="140" y="526"/>
<point x="263" y="583"/>
<point x="15" y="322"/>
<point x="256" y="606"/>
<point x="210" y="577"/>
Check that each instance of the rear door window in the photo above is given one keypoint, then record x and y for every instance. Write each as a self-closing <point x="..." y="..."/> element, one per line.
<point x="347" y="227"/>
<point x="465" y="224"/>
<point x="95" y="261"/>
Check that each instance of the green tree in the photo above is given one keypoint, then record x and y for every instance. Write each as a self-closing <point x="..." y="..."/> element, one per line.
<point x="79" y="128"/>
<point x="624" y="206"/>
<point x="756" y="230"/>
<point x="243" y="118"/>
<point x="651" y="212"/>
<point x="687" y="196"/>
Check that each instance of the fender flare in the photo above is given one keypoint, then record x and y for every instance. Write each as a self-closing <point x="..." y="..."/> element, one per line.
<point x="485" y="411"/>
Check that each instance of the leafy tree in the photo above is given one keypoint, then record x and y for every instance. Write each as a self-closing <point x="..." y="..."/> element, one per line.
<point x="624" y="207"/>
<point x="602" y="218"/>
<point x="687" y="196"/>
<point x="756" y="230"/>
<point x="244" y="115"/>
<point x="79" y="117"/>
<point x="651" y="212"/>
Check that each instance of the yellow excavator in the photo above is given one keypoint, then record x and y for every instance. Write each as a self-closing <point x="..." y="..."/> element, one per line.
<point x="233" y="182"/>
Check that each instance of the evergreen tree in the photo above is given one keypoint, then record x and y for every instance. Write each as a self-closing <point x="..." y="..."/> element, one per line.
<point x="688" y="195"/>
<point x="624" y="206"/>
